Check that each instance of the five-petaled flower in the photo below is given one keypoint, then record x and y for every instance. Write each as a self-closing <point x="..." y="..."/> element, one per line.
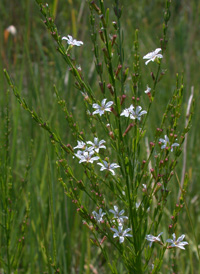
<point x="120" y="233"/>
<point x="129" y="112"/>
<point x="108" y="166"/>
<point x="166" y="143"/>
<point x="118" y="215"/>
<point x="98" y="216"/>
<point x="86" y="156"/>
<point x="100" y="109"/>
<point x="96" y="145"/>
<point x="152" y="238"/>
<point x="178" y="242"/>
<point x="152" y="56"/>
<point x="72" y="41"/>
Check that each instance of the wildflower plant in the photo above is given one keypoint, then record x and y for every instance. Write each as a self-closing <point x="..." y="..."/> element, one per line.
<point x="117" y="120"/>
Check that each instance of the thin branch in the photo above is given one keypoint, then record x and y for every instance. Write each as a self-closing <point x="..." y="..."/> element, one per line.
<point x="185" y="143"/>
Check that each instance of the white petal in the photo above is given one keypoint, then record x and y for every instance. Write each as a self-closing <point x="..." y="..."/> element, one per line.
<point x="148" y="55"/>
<point x="174" y="237"/>
<point x="96" y="106"/>
<point x="180" y="246"/>
<point x="138" y="108"/>
<point x="113" y="165"/>
<point x="132" y="117"/>
<point x="126" y="230"/>
<point x="128" y="235"/>
<point x="175" y="145"/>
<point x="64" y="38"/>
<point x="112" y="171"/>
<point x="166" y="139"/>
<point x="121" y="239"/>
<point x="180" y="238"/>
<point x="157" y="50"/>
<point x="143" y="112"/>
<point x="110" y="103"/>
<point x="103" y="102"/>
<point x="146" y="63"/>
<point x="122" y="212"/>
<point x="169" y="241"/>
<point x="159" y="56"/>
<point x="114" y="230"/>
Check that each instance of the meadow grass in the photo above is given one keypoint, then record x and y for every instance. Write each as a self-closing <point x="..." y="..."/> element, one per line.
<point x="40" y="229"/>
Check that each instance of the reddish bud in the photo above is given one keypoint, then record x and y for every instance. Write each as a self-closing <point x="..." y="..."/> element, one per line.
<point x="122" y="99"/>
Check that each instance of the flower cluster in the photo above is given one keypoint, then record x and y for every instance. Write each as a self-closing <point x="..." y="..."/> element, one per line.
<point x="166" y="143"/>
<point x="174" y="243"/>
<point x="129" y="112"/>
<point x="86" y="153"/>
<point x="118" y="215"/>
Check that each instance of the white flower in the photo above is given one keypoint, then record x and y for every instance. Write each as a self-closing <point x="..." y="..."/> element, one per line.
<point x="12" y="30"/>
<point x="151" y="56"/>
<point x="138" y="113"/>
<point x="99" y="216"/>
<point x="118" y="215"/>
<point x="108" y="166"/>
<point x="72" y="41"/>
<point x="129" y="112"/>
<point x="137" y="205"/>
<point x="144" y="186"/>
<point x="96" y="145"/>
<point x="86" y="156"/>
<point x="104" y="107"/>
<point x="148" y="90"/>
<point x="166" y="143"/>
<point x="178" y="242"/>
<point x="120" y="233"/>
<point x="152" y="238"/>
<point x="80" y="145"/>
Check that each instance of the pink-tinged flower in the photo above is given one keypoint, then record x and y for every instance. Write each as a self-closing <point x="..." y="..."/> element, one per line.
<point x="120" y="233"/>
<point x="152" y="56"/>
<point x="100" y="109"/>
<point x="177" y="243"/>
<point x="72" y="41"/>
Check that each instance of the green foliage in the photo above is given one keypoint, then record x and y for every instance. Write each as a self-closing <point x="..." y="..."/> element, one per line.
<point x="40" y="228"/>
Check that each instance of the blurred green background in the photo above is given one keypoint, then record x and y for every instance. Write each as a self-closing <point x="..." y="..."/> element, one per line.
<point x="35" y="66"/>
